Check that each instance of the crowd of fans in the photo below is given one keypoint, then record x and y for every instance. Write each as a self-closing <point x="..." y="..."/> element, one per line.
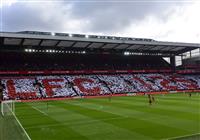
<point x="83" y="85"/>
<point x="54" y="86"/>
<point x="116" y="83"/>
<point x="40" y="61"/>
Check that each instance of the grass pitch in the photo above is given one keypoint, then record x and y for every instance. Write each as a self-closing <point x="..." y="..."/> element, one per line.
<point x="173" y="116"/>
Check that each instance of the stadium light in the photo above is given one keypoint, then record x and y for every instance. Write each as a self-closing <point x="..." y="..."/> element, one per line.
<point x="52" y="33"/>
<point x="70" y="35"/>
<point x="126" y="53"/>
<point x="86" y="36"/>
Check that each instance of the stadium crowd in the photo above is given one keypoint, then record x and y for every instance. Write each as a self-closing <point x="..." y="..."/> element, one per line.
<point x="40" y="61"/>
<point x="83" y="85"/>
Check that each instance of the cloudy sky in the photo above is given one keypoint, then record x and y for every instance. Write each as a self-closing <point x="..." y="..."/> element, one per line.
<point x="166" y="20"/>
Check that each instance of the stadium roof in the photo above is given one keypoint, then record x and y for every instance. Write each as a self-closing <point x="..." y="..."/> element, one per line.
<point x="92" y="42"/>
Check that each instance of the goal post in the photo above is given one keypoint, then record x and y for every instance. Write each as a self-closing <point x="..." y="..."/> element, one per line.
<point x="8" y="107"/>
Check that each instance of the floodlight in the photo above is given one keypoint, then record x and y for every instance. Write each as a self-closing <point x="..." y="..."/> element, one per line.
<point x="52" y="33"/>
<point x="126" y="53"/>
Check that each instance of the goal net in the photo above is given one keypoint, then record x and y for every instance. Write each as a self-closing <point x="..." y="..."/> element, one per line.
<point x="8" y="108"/>
<point x="10" y="126"/>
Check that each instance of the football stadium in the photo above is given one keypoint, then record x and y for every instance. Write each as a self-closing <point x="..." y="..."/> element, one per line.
<point x="75" y="86"/>
<point x="99" y="70"/>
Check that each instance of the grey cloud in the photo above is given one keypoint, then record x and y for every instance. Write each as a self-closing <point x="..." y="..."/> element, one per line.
<point x="115" y="16"/>
<point x="103" y="16"/>
<point x="21" y="16"/>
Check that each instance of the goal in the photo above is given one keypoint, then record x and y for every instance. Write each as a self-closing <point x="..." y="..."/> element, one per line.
<point x="8" y="107"/>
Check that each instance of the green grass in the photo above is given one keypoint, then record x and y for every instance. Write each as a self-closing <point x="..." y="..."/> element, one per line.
<point x="122" y="118"/>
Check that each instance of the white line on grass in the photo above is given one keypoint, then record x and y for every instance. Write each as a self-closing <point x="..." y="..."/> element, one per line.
<point x="79" y="123"/>
<point x="21" y="126"/>
<point x="182" y="136"/>
<point x="40" y="111"/>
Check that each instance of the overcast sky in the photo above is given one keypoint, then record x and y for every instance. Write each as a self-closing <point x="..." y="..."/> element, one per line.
<point x="167" y="20"/>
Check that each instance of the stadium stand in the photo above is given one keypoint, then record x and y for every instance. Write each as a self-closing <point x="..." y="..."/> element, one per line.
<point x="39" y="65"/>
<point x="83" y="85"/>
<point x="38" y="61"/>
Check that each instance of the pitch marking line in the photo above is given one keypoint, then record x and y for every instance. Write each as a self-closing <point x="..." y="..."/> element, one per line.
<point x="40" y="111"/>
<point x="79" y="123"/>
<point x="182" y="136"/>
<point x="21" y="126"/>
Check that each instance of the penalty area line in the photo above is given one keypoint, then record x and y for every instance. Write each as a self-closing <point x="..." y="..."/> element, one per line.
<point x="77" y="123"/>
<point x="40" y="111"/>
